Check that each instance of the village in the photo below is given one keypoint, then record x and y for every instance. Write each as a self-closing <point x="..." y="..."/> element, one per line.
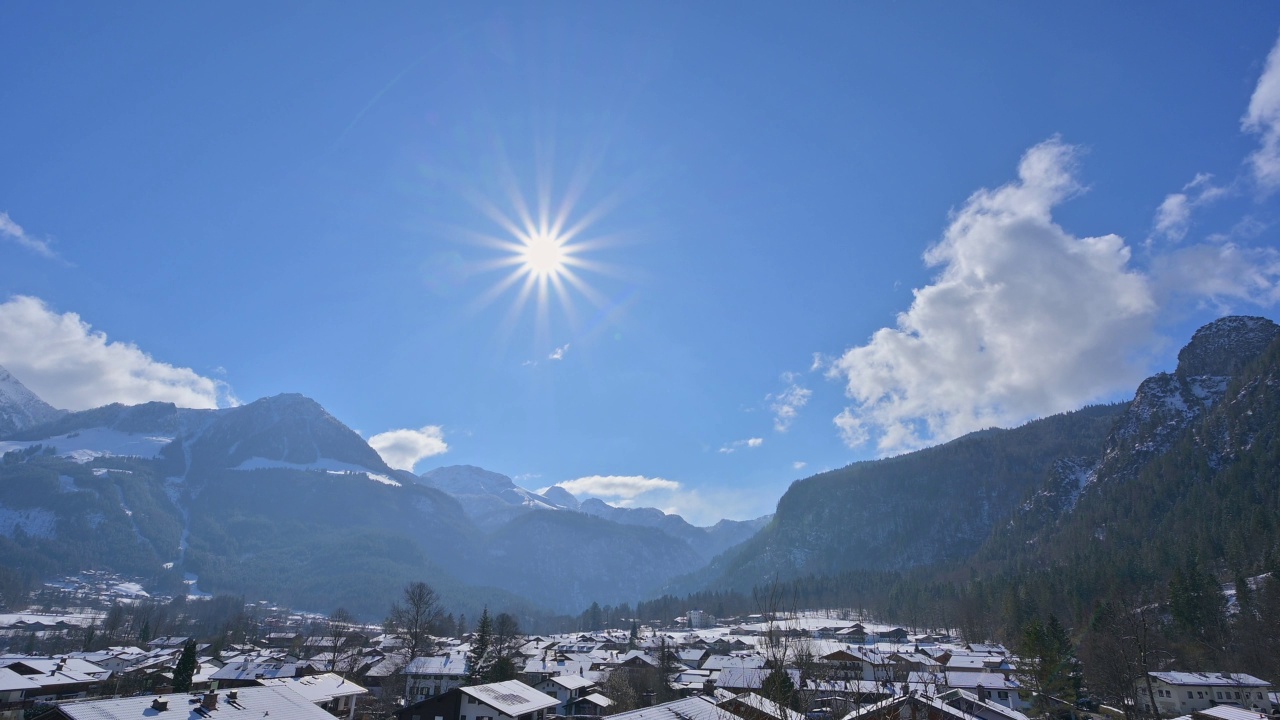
<point x="768" y="666"/>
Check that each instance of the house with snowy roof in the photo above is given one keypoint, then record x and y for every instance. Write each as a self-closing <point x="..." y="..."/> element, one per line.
<point x="509" y="700"/>
<point x="1180" y="693"/>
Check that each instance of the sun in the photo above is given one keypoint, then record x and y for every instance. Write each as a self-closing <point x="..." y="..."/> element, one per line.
<point x="546" y="256"/>
<point x="543" y="255"/>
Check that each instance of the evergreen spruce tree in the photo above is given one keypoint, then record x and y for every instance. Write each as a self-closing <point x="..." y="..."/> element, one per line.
<point x="186" y="668"/>
<point x="478" y="655"/>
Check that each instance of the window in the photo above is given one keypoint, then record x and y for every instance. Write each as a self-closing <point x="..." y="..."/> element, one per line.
<point x="1003" y="694"/>
<point x="1219" y="694"/>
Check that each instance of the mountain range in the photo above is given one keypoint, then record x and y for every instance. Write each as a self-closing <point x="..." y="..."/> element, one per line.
<point x="278" y="499"/>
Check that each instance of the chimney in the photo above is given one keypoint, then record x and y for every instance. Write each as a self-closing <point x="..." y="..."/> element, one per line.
<point x="210" y="701"/>
<point x="232" y="696"/>
<point x="160" y="704"/>
<point x="982" y="693"/>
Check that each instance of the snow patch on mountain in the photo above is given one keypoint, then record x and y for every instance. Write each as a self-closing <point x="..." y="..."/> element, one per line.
<point x="328" y="465"/>
<point x="36" y="522"/>
<point x="86" y="445"/>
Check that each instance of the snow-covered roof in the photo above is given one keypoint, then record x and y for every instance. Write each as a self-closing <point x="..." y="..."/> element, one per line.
<point x="254" y="671"/>
<point x="765" y="705"/>
<point x="595" y="699"/>
<point x="698" y="707"/>
<point x="1210" y="678"/>
<point x="251" y="703"/>
<point x="318" y="688"/>
<point x="1227" y="712"/>
<point x="511" y="697"/>
<point x="437" y="665"/>
<point x="571" y="682"/>
<point x="11" y="681"/>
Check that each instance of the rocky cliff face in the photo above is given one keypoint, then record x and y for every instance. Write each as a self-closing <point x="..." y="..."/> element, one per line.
<point x="19" y="407"/>
<point x="1166" y="404"/>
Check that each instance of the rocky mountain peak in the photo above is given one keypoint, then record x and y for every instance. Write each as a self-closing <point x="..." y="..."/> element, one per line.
<point x="19" y="407"/>
<point x="1224" y="346"/>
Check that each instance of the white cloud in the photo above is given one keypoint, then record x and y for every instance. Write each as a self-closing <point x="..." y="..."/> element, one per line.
<point x="1173" y="217"/>
<point x="799" y="464"/>
<point x="786" y="404"/>
<point x="559" y="353"/>
<point x="402" y="449"/>
<point x="623" y="487"/>
<point x="1263" y="119"/>
<point x="1220" y="273"/>
<point x="737" y="444"/>
<point x="13" y="231"/>
<point x="1023" y="320"/>
<point x="71" y="366"/>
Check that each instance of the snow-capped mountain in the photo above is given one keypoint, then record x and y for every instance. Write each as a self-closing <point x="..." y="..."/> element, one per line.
<point x="19" y="407"/>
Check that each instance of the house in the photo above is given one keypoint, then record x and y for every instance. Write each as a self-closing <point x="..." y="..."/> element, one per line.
<point x="509" y="700"/>
<point x="927" y="706"/>
<point x="250" y="703"/>
<point x="58" y="678"/>
<point x="329" y="692"/>
<point x="430" y="676"/>
<point x="698" y="707"/>
<point x="566" y="689"/>
<point x="1224" y="712"/>
<point x="1180" y="693"/>
<point x="242" y="674"/>
<point x="13" y="694"/>
<point x="593" y="705"/>
<point x="750" y="706"/>
<point x="998" y="688"/>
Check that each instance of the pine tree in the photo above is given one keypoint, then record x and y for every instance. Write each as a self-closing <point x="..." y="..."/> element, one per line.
<point x="186" y="668"/>
<point x="478" y="655"/>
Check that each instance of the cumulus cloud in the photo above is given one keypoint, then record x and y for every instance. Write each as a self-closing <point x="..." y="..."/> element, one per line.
<point x="1263" y="119"/>
<point x="559" y="353"/>
<point x="737" y="444"/>
<point x="70" y="365"/>
<point x="620" y="487"/>
<point x="786" y="404"/>
<point x="402" y="449"/>
<point x="12" y="231"/>
<point x="1173" y="217"/>
<point x="1022" y="320"/>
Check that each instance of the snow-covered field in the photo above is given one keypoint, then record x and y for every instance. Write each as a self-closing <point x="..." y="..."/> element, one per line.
<point x="36" y="522"/>
<point x="86" y="445"/>
<point x="329" y="465"/>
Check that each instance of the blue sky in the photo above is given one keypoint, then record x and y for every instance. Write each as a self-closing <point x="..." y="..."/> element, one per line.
<point x="810" y="237"/>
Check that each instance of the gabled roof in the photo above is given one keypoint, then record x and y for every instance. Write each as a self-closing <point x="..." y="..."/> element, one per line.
<point x="1210" y="678"/>
<point x="318" y="688"/>
<point x="595" y="699"/>
<point x="252" y="703"/>
<point x="698" y="707"/>
<point x="251" y="671"/>
<point x="571" y="682"/>
<point x="511" y="697"/>
<point x="764" y="705"/>
<point x="11" y="681"/>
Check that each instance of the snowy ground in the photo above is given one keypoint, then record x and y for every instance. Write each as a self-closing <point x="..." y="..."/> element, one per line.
<point x="86" y="445"/>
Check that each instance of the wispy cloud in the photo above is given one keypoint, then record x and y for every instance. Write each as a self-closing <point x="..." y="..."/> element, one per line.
<point x="403" y="449"/>
<point x="12" y="231"/>
<point x="786" y="405"/>
<point x="739" y="444"/>
<point x="70" y="365"/>
<point x="1173" y="217"/>
<point x="799" y="464"/>
<point x="559" y="353"/>
<point x="1263" y="119"/>
<point x="623" y="487"/>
